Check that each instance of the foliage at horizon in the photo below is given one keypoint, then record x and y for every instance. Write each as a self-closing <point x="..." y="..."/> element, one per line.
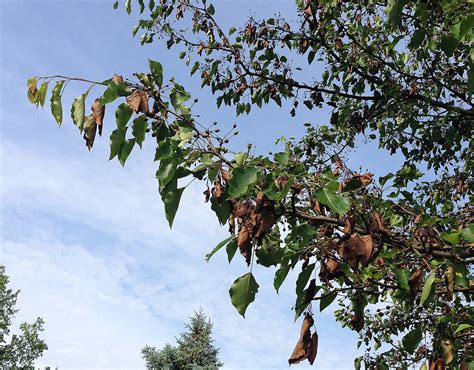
<point x="20" y="350"/>
<point x="396" y="252"/>
<point x="194" y="348"/>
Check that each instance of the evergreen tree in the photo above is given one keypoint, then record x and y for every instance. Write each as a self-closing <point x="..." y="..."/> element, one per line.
<point x="194" y="348"/>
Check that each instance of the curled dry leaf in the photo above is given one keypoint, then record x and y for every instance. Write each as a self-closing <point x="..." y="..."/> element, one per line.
<point x="313" y="350"/>
<point x="349" y="224"/>
<point x="260" y="199"/>
<point x="90" y="129"/>
<point x="267" y="221"/>
<point x="378" y="224"/>
<point x="415" y="279"/>
<point x="138" y="102"/>
<point x="356" y="249"/>
<point x="98" y="112"/>
<point x="244" y="242"/>
<point x="365" y="179"/>
<point x="317" y="207"/>
<point x="329" y="270"/>
<point x="307" y="345"/>
<point x="117" y="78"/>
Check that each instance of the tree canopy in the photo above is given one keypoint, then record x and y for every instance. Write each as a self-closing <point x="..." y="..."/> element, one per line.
<point x="195" y="348"/>
<point x="22" y="349"/>
<point x="396" y="251"/>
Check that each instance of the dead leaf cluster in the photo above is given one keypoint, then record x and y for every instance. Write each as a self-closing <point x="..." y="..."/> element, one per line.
<point x="254" y="220"/>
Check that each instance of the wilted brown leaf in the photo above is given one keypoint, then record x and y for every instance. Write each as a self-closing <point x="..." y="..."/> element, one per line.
<point x="313" y="350"/>
<point x="138" y="102"/>
<point x="304" y="345"/>
<point x="267" y="221"/>
<point x="356" y="249"/>
<point x="349" y="224"/>
<point x="200" y="49"/>
<point x="244" y="242"/>
<point x="378" y="224"/>
<point x="98" y="112"/>
<point x="317" y="206"/>
<point x="90" y="129"/>
<point x="329" y="270"/>
<point x="117" y="78"/>
<point x="415" y="279"/>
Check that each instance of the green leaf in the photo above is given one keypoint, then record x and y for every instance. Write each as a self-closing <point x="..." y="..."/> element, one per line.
<point x="125" y="150"/>
<point x="231" y="248"/>
<point x="280" y="276"/>
<point x="303" y="278"/>
<point x="243" y="180"/>
<point x="110" y="93"/>
<point x="327" y="300"/>
<point x="461" y="328"/>
<point x="115" y="5"/>
<point x="139" y="127"/>
<point x="412" y="340"/>
<point x="194" y="68"/>
<point x="242" y="292"/>
<point x="128" y="6"/>
<point x="179" y="96"/>
<point x="42" y="94"/>
<point x="211" y="10"/>
<point x="156" y="70"/>
<point x="56" y="106"/>
<point x="403" y="276"/>
<point x="282" y="158"/>
<point x="166" y="171"/>
<point x="240" y="158"/>
<point x="165" y="150"/>
<point x="171" y="196"/>
<point x="448" y="44"/>
<point x="78" y="110"/>
<point x="452" y="238"/>
<point x="394" y="11"/>
<point x="117" y="138"/>
<point x="337" y="203"/>
<point x="221" y="208"/>
<point x="122" y="115"/>
<point x="417" y="39"/>
<point x="218" y="247"/>
<point x="468" y="233"/>
<point x="427" y="288"/>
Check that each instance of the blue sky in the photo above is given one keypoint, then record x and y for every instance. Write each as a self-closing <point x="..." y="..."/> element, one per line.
<point x="86" y="240"/>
